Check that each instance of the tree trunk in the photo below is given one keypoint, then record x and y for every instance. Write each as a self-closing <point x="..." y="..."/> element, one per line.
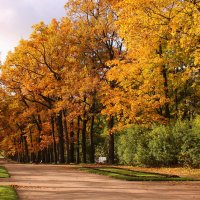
<point x="166" y="87"/>
<point x="32" y="156"/>
<point x="92" y="150"/>
<point x="39" y="127"/>
<point x="43" y="156"/>
<point x="22" y="148"/>
<point x="176" y="103"/>
<point x="84" y="133"/>
<point x="61" y="140"/>
<point x="77" y="148"/>
<point x="72" y="147"/>
<point x="48" y="154"/>
<point x="54" y="140"/>
<point x="167" y="110"/>
<point x="39" y="156"/>
<point x="27" y="159"/>
<point x="111" y="153"/>
<point x="66" y="140"/>
<point x="84" y="140"/>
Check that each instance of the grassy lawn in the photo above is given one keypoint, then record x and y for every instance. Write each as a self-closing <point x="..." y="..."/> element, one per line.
<point x="132" y="175"/>
<point x="7" y="193"/>
<point x="180" y="171"/>
<point x="3" y="173"/>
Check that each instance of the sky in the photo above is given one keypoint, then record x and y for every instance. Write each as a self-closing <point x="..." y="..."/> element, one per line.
<point x="18" y="16"/>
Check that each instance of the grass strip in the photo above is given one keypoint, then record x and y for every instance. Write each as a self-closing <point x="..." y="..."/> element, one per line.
<point x="134" y="176"/>
<point x="8" y="193"/>
<point x="131" y="172"/>
<point x="3" y="172"/>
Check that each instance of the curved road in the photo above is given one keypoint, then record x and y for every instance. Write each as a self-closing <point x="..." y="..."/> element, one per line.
<point x="50" y="182"/>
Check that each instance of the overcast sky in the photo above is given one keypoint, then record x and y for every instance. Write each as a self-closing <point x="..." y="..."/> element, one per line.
<point x="18" y="16"/>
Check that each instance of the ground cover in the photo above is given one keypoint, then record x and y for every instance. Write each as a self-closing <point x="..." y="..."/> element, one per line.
<point x="3" y="172"/>
<point x="179" y="171"/>
<point x="133" y="175"/>
<point x="8" y="193"/>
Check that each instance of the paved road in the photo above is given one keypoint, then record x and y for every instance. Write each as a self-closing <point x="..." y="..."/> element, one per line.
<point x="49" y="182"/>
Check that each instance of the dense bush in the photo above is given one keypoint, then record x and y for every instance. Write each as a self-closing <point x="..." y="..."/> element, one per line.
<point x="176" y="144"/>
<point x="190" y="149"/>
<point x="163" y="146"/>
<point x="127" y="144"/>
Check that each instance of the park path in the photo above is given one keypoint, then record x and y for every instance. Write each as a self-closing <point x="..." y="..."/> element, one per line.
<point x="50" y="182"/>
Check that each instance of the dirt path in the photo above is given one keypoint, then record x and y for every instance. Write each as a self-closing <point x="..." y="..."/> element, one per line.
<point x="49" y="182"/>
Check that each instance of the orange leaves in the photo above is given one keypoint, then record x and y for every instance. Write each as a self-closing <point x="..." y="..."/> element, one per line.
<point x="158" y="66"/>
<point x="80" y="65"/>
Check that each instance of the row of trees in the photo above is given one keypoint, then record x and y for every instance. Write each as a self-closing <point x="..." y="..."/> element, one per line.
<point x="105" y="65"/>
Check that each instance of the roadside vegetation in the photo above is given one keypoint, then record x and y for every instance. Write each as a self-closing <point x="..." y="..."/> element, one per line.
<point x="178" y="171"/>
<point x="132" y="175"/>
<point x="3" y="173"/>
<point x="175" y="145"/>
<point x="8" y="193"/>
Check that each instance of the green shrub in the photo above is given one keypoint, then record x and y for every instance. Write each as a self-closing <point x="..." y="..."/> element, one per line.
<point x="164" y="146"/>
<point x="176" y="144"/>
<point x="127" y="144"/>
<point x="190" y="149"/>
<point x="143" y="155"/>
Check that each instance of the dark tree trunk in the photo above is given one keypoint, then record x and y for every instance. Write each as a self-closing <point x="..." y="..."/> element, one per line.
<point x="58" y="152"/>
<point x="21" y="157"/>
<point x="22" y="147"/>
<point x="167" y="110"/>
<point x="61" y="140"/>
<point x="84" y="133"/>
<point x="39" y="127"/>
<point x="84" y="141"/>
<point x="39" y="157"/>
<point x="66" y="140"/>
<point x="32" y="156"/>
<point x="72" y="147"/>
<point x="111" y="153"/>
<point x="43" y="156"/>
<point x="51" y="154"/>
<point x="166" y="87"/>
<point x="54" y="139"/>
<point x="176" y="103"/>
<point x="18" y="156"/>
<point x="26" y="159"/>
<point x="92" y="150"/>
<point x="48" y="155"/>
<point x="77" y="148"/>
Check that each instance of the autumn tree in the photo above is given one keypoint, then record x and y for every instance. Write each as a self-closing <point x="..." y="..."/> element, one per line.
<point x="96" y="36"/>
<point x="157" y="79"/>
<point x="36" y="67"/>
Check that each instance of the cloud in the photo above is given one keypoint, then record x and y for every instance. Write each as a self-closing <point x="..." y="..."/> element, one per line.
<point x="18" y="16"/>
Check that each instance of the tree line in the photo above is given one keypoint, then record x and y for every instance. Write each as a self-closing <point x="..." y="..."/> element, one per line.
<point x="104" y="66"/>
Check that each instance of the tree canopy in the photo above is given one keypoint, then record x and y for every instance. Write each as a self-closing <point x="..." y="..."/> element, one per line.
<point x="104" y="66"/>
